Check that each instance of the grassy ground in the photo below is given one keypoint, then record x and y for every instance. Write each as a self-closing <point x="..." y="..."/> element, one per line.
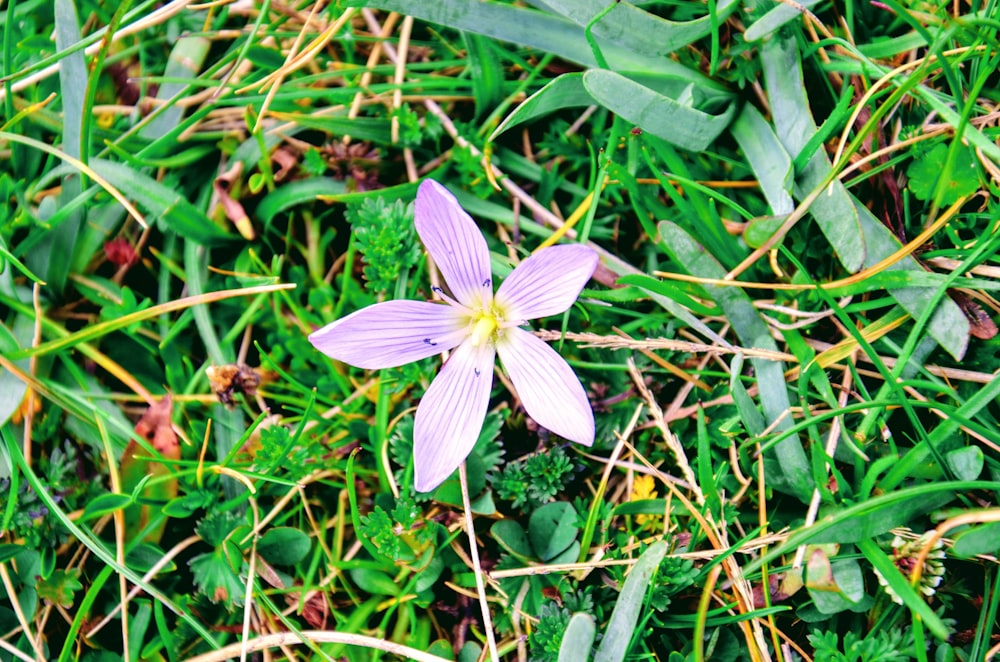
<point x="789" y="342"/>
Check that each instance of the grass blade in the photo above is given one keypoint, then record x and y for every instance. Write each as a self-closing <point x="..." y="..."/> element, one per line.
<point x="621" y="628"/>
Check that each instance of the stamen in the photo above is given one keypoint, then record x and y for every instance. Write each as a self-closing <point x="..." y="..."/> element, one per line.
<point x="451" y="302"/>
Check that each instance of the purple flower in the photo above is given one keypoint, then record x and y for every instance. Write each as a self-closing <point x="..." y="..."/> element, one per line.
<point x="477" y="325"/>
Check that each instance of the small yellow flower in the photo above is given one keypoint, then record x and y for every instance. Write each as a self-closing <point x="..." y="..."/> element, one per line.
<point x="643" y="488"/>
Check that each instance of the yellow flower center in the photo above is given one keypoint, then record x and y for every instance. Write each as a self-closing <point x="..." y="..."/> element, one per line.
<point x="484" y="328"/>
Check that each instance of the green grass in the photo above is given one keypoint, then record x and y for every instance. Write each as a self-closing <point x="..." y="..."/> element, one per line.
<point x="789" y="345"/>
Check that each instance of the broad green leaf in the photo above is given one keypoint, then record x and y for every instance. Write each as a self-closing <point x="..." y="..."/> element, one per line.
<point x="528" y="27"/>
<point x="662" y="116"/>
<point x="551" y="529"/>
<point x="857" y="236"/>
<point x="166" y="205"/>
<point x="771" y="164"/>
<point x="794" y="126"/>
<point x="284" y="545"/>
<point x="566" y="91"/>
<point x="621" y="628"/>
<point x="511" y="536"/>
<point x="875" y="516"/>
<point x="774" y="19"/>
<point x="846" y="589"/>
<point x="430" y="572"/>
<point x="185" y="61"/>
<point x="9" y="551"/>
<point x="73" y="76"/>
<point x="753" y="332"/>
<point x="216" y="578"/>
<point x="982" y="539"/>
<point x="145" y="556"/>
<point x="925" y="171"/>
<point x="578" y="639"/>
<point x="374" y="582"/>
<point x="568" y="555"/>
<point x="966" y="463"/>
<point x="12" y="387"/>
<point x="638" y="30"/>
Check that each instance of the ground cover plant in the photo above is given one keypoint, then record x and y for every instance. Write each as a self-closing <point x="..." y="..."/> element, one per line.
<point x="783" y="218"/>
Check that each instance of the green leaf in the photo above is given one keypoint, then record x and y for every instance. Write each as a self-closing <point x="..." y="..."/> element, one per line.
<point x="284" y="545"/>
<point x="960" y="180"/>
<point x="511" y="537"/>
<point x="794" y="126"/>
<point x="9" y="551"/>
<point x="753" y="332"/>
<point x="519" y="25"/>
<point x="216" y="578"/>
<point x="106" y="503"/>
<point x="374" y="582"/>
<point x="185" y="61"/>
<point x="667" y="118"/>
<point x="966" y="463"/>
<point x="552" y="529"/>
<point x="73" y="77"/>
<point x="144" y="556"/>
<point x="188" y="504"/>
<point x="578" y="639"/>
<point x="60" y="587"/>
<point x="878" y="515"/>
<point x="774" y="19"/>
<point x="621" y="628"/>
<point x="485" y="71"/>
<point x="857" y="236"/>
<point x="163" y="203"/>
<point x="984" y="539"/>
<point x="847" y="589"/>
<point x="771" y="164"/>
<point x="299" y="192"/>
<point x="566" y="91"/>
<point x="12" y="387"/>
<point x="637" y="30"/>
<point x="745" y="406"/>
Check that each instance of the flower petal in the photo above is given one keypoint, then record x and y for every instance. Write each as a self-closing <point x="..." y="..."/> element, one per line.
<point x="547" y="283"/>
<point x="454" y="241"/>
<point x="392" y="333"/>
<point x="451" y="413"/>
<point x="547" y="386"/>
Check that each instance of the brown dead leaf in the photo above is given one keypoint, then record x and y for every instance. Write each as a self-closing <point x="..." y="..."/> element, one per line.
<point x="228" y="380"/>
<point x="981" y="325"/>
<point x="156" y="428"/>
<point x="223" y="187"/>
<point x="287" y="158"/>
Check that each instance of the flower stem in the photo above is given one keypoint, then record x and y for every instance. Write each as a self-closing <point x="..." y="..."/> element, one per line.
<point x="477" y="569"/>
